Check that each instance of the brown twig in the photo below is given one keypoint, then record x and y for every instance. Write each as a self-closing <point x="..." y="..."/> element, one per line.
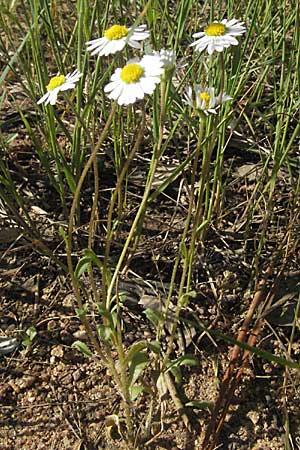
<point x="229" y="381"/>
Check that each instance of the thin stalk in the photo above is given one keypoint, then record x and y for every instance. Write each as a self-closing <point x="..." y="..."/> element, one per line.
<point x="125" y="387"/>
<point x="113" y="200"/>
<point x="222" y="83"/>
<point x="143" y="205"/>
<point x="187" y="255"/>
<point x="220" y="154"/>
<point x="75" y="284"/>
<point x="92" y="228"/>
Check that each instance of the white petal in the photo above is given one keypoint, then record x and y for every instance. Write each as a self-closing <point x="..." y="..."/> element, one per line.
<point x="112" y="85"/>
<point x="202" y="43"/>
<point x="199" y="34"/>
<point x="134" y="44"/>
<point x="231" y="22"/>
<point x="66" y="86"/>
<point x="139" y="36"/>
<point x="95" y="41"/>
<point x="119" y="45"/>
<point x="74" y="77"/>
<point x="109" y="47"/>
<point x="141" y="27"/>
<point x="148" y="85"/>
<point x="231" y="40"/>
<point x="52" y="97"/>
<point x="154" y="71"/>
<point x="116" y="75"/>
<point x="139" y="91"/>
<point x="98" y="50"/>
<point x="127" y="97"/>
<point x="44" y="98"/>
<point x="194" y="44"/>
<point x="149" y="60"/>
<point x="74" y="74"/>
<point x="210" y="47"/>
<point x="139" y="33"/>
<point x="153" y="65"/>
<point x="112" y="47"/>
<point x="117" y="92"/>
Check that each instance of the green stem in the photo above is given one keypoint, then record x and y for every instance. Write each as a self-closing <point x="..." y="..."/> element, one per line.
<point x="75" y="284"/>
<point x="113" y="200"/>
<point x="187" y="254"/>
<point x="218" y="182"/>
<point x="141" y="210"/>
<point x="92" y="228"/>
<point x="125" y="388"/>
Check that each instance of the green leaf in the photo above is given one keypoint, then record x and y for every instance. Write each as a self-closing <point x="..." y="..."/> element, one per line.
<point x="15" y="56"/>
<point x="108" y="315"/>
<point x="84" y="262"/>
<point x="89" y="253"/>
<point x="81" y="346"/>
<point x="11" y="137"/>
<point x="138" y="363"/>
<point x="184" y="360"/>
<point x="154" y="346"/>
<point x="26" y="342"/>
<point x="29" y="337"/>
<point x="105" y="332"/>
<point x="70" y="179"/>
<point x="31" y="333"/>
<point x="202" y="225"/>
<point x="154" y="316"/>
<point x="134" y="349"/>
<point x="81" y="312"/>
<point x="200" y="404"/>
<point x="82" y="266"/>
<point x="62" y="233"/>
<point x="183" y="301"/>
<point x="177" y="374"/>
<point x="104" y="311"/>
<point x="135" y="391"/>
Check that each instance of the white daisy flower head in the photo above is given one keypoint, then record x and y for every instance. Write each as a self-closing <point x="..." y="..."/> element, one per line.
<point x="58" y="84"/>
<point x="168" y="58"/>
<point x="204" y="99"/>
<point x="218" y="35"/>
<point x="135" y="79"/>
<point x="116" y="37"/>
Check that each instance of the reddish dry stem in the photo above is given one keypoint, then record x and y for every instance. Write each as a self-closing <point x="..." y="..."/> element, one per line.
<point x="229" y="381"/>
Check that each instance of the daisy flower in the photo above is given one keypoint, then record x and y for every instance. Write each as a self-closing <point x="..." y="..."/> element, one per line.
<point x="168" y="58"/>
<point x="58" y="84"/>
<point x="204" y="99"/>
<point x="135" y="79"/>
<point x="116" y="37"/>
<point x="218" y="35"/>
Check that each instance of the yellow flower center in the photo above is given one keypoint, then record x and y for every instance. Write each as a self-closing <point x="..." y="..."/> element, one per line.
<point x="206" y="97"/>
<point x="116" y="32"/>
<point x="131" y="73"/>
<point x="55" y="82"/>
<point x="215" y="29"/>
